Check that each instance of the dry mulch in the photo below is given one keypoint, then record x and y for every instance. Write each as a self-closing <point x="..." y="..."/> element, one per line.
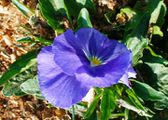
<point x="29" y="108"/>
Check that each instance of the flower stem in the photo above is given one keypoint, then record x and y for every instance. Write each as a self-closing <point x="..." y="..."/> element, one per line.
<point x="73" y="112"/>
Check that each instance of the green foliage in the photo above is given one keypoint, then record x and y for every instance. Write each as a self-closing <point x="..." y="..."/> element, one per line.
<point x="53" y="11"/>
<point x="134" y="104"/>
<point x="12" y="87"/>
<point x="20" y="65"/>
<point x="83" y="19"/>
<point x="27" y="39"/>
<point x="155" y="69"/>
<point x="136" y="40"/>
<point x="94" y="116"/>
<point x="89" y="4"/>
<point x="42" y="40"/>
<point x="92" y="106"/>
<point x="146" y="92"/>
<point x="158" y="11"/>
<point x="136" y="30"/>
<point x="157" y="31"/>
<point x="24" y="9"/>
<point x="34" y="39"/>
<point x="31" y="87"/>
<point x="140" y="112"/>
<point x="108" y="104"/>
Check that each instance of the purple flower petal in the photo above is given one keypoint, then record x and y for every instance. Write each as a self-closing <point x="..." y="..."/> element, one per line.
<point x="47" y="68"/>
<point x="65" y="53"/>
<point x="64" y="91"/>
<point x="91" y="40"/>
<point x="105" y="75"/>
<point x="76" y="62"/>
<point x="96" y="44"/>
<point x="130" y="73"/>
<point x="58" y="88"/>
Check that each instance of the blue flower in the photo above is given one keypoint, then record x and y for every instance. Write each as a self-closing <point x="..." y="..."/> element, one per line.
<point x="76" y="62"/>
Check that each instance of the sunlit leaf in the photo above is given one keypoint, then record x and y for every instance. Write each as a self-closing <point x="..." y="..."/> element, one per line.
<point x="157" y="31"/>
<point x="126" y="13"/>
<point x="31" y="87"/>
<point x="116" y="115"/>
<point x="83" y="19"/>
<point x="136" y="45"/>
<point x="158" y="9"/>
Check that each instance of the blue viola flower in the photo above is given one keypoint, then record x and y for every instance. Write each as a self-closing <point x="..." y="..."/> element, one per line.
<point x="76" y="62"/>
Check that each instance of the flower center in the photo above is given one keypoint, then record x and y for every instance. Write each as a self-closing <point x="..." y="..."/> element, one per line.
<point x="95" y="61"/>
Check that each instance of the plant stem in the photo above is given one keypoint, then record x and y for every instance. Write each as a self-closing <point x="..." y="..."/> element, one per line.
<point x="73" y="112"/>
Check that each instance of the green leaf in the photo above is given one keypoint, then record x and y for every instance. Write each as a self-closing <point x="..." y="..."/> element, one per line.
<point x="25" y="39"/>
<point x="31" y="87"/>
<point x="146" y="92"/>
<point x="24" y="9"/>
<point x="33" y="39"/>
<point x="134" y="99"/>
<point x="150" y="56"/>
<point x="140" y="112"/>
<point x="93" y="116"/>
<point x="83" y="19"/>
<point x="136" y="45"/>
<point x="154" y="70"/>
<point x="134" y="104"/>
<point x="136" y="41"/>
<point x="89" y="4"/>
<point x="72" y="8"/>
<point x="157" y="31"/>
<point x="12" y="88"/>
<point x="92" y="106"/>
<point x="136" y="30"/>
<point x="53" y="11"/>
<point x="158" y="11"/>
<point x="43" y="41"/>
<point x="158" y="70"/>
<point x="20" y="65"/>
<point x="108" y="104"/>
<point x="161" y="104"/>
